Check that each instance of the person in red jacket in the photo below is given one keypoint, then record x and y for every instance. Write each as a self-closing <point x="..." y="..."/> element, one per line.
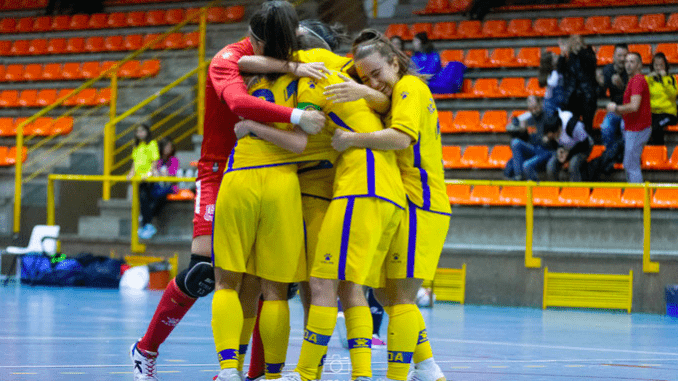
<point x="272" y="33"/>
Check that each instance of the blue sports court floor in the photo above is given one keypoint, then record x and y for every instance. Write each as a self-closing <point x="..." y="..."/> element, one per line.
<point x="84" y="334"/>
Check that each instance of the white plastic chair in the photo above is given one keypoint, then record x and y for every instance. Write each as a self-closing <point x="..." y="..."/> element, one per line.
<point x="43" y="241"/>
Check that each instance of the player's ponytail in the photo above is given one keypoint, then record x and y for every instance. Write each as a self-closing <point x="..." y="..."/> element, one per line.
<point x="275" y="24"/>
<point x="371" y="41"/>
<point x="316" y="34"/>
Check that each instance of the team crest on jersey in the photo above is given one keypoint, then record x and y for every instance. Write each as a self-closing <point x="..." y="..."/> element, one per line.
<point x="311" y="84"/>
<point x="328" y="258"/>
<point x="431" y="106"/>
<point x="404" y="94"/>
<point x="209" y="213"/>
<point x="395" y="257"/>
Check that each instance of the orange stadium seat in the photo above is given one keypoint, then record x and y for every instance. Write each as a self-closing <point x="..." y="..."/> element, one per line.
<point x="494" y="29"/>
<point x="3" y="156"/>
<point x="494" y="121"/>
<point x="596" y="152"/>
<point x="7" y="25"/>
<point x="216" y="15"/>
<point x="485" y="195"/>
<point x="71" y="70"/>
<point x="149" y="68"/>
<point x="9" y="98"/>
<point x="606" y="197"/>
<point x="673" y="161"/>
<point x="572" y="25"/>
<point x="5" y="47"/>
<point x="499" y="156"/>
<point x="235" y="13"/>
<point x="14" y="72"/>
<point x="7" y="127"/>
<point x="533" y="87"/>
<point x="129" y="69"/>
<point x="422" y="27"/>
<point x="173" y="41"/>
<point x="155" y="17"/>
<point x="466" y="91"/>
<point x="503" y="57"/>
<point x="516" y="113"/>
<point x="42" y="24"/>
<point x="477" y="58"/>
<point x="62" y="126"/>
<point x="103" y="97"/>
<point x="545" y="196"/>
<point x="486" y="88"/>
<point x="451" y="55"/>
<point x="174" y="16"/>
<point x="605" y="54"/>
<point x="475" y="157"/>
<point x="90" y="69"/>
<point x="626" y="24"/>
<point x="520" y="28"/>
<point x="655" y="22"/>
<point x="513" y="195"/>
<point x="32" y="72"/>
<point x="459" y="194"/>
<point x="117" y="20"/>
<point x="445" y="122"/>
<point x="672" y="22"/>
<point x="52" y="72"/>
<point x="438" y="6"/>
<point x="151" y="37"/>
<point x="645" y="51"/>
<point x="2" y="73"/>
<point x="574" y="197"/>
<point x="87" y="97"/>
<point x="193" y="14"/>
<point x="546" y="27"/>
<point x="56" y="46"/>
<point x="451" y="154"/>
<point x="24" y="25"/>
<point x="633" y="197"/>
<point x="27" y="129"/>
<point x="61" y="22"/>
<point x="79" y="22"/>
<point x="513" y="88"/>
<point x="401" y="30"/>
<point x="467" y="121"/>
<point x="598" y="25"/>
<point x="191" y="40"/>
<point x="28" y="98"/>
<point x="444" y="30"/>
<point x="20" y="48"/>
<point x="37" y="47"/>
<point x="75" y="45"/>
<point x="554" y="49"/>
<point x="107" y="65"/>
<point x="654" y="157"/>
<point x="665" y="198"/>
<point x="599" y="117"/>
<point x="182" y="195"/>
<point x="95" y="45"/>
<point x="98" y="21"/>
<point x="70" y="101"/>
<point x="41" y="126"/>
<point x="133" y="42"/>
<point x="11" y="155"/>
<point x="469" y="29"/>
<point x="135" y="18"/>
<point x="114" y="43"/>
<point x="528" y="57"/>
<point x="670" y="50"/>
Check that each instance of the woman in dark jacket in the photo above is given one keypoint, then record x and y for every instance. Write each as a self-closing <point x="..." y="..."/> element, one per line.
<point x="577" y="64"/>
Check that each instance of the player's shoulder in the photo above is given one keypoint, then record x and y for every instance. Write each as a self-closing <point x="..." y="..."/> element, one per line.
<point x="234" y="51"/>
<point x="410" y="86"/>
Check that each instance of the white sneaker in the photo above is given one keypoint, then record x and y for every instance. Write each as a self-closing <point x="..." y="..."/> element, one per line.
<point x="292" y="376"/>
<point x="144" y="364"/>
<point x="427" y="370"/>
<point x="341" y="329"/>
<point x="230" y="374"/>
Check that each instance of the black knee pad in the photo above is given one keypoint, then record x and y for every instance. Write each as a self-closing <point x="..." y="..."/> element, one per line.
<point x="292" y="290"/>
<point x="198" y="279"/>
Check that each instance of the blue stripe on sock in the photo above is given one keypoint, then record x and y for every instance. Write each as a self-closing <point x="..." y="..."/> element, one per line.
<point x="274" y="368"/>
<point x="423" y="337"/>
<point x="322" y="360"/>
<point x="359" y="342"/>
<point x="400" y="357"/>
<point x="228" y="354"/>
<point x="316" y="338"/>
<point x="243" y="349"/>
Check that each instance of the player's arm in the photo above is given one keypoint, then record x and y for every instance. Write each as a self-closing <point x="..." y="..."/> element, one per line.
<point x="350" y="90"/>
<point x="264" y="64"/>
<point x="385" y="140"/>
<point x="294" y="141"/>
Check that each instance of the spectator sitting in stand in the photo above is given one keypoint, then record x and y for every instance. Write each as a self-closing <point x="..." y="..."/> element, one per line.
<point x="530" y="147"/>
<point x="447" y="80"/>
<point x="144" y="156"/>
<point x="577" y="64"/>
<point x="574" y="146"/>
<point x="552" y="80"/>
<point x="663" y="93"/>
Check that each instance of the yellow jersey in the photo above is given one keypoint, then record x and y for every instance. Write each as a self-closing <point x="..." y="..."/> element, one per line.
<point x="332" y="61"/>
<point x="316" y="179"/>
<point x="359" y="172"/>
<point x="414" y="113"/>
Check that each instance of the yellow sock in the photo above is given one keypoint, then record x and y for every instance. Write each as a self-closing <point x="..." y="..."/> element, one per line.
<point x="227" y="322"/>
<point x="423" y="350"/>
<point x="402" y="339"/>
<point x="321" y="322"/>
<point x="359" y="335"/>
<point x="274" y="327"/>
<point x="245" y="336"/>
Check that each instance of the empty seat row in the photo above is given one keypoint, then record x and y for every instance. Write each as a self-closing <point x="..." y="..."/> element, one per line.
<point x="46" y="97"/>
<point x="43" y="126"/>
<point x="8" y="156"/>
<point x="457" y="6"/>
<point x="9" y="5"/>
<point x="466" y="121"/>
<point x="491" y="88"/>
<point x="544" y="27"/>
<point x="41" y="46"/>
<point x="117" y="19"/>
<point x="557" y="197"/>
<point x="480" y="157"/>
<point x="76" y="70"/>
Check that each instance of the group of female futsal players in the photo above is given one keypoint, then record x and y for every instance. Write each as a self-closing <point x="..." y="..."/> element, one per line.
<point x="356" y="201"/>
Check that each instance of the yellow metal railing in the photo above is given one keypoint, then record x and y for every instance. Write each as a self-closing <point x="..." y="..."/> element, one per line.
<point x="609" y="291"/>
<point x="534" y="262"/>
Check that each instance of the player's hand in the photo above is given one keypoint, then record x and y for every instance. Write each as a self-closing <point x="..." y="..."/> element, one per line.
<point x="611" y="107"/>
<point x="315" y="70"/>
<point x="312" y="121"/>
<point x="341" y="141"/>
<point x="347" y="91"/>
<point x="241" y="129"/>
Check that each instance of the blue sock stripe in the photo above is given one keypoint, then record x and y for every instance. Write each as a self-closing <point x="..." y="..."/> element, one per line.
<point x="322" y="360"/>
<point x="243" y="349"/>
<point x="400" y="357"/>
<point x="274" y="368"/>
<point x="228" y="354"/>
<point x="359" y="342"/>
<point x="316" y="338"/>
<point x="423" y="336"/>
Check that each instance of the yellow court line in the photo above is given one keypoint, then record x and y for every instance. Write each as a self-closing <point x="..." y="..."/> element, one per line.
<point x="574" y="366"/>
<point x="535" y="366"/>
<point x="498" y="366"/>
<point x="460" y="367"/>
<point x="73" y="373"/>
<point x="18" y="373"/>
<point x="175" y="360"/>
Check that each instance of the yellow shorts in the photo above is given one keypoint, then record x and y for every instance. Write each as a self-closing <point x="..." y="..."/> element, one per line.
<point x="418" y="244"/>
<point x="314" y="209"/>
<point x="258" y="226"/>
<point x="354" y="240"/>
